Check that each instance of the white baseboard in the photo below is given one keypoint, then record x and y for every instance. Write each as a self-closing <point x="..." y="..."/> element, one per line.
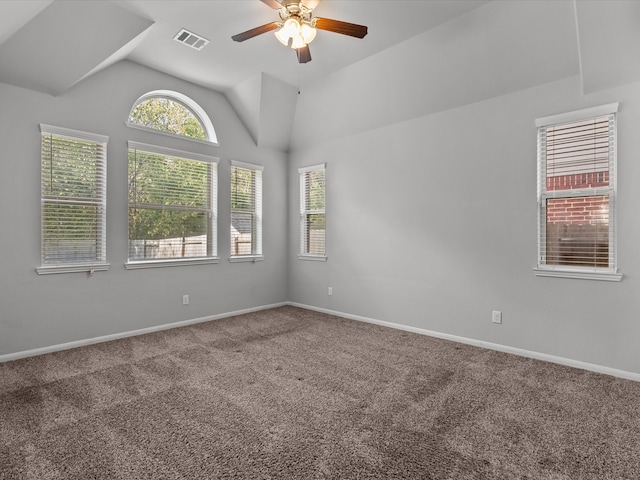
<point x="106" y="338"/>
<point x="454" y="338"/>
<point x="592" y="367"/>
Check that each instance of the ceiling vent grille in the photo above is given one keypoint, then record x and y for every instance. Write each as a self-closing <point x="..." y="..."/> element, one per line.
<point x="191" y="39"/>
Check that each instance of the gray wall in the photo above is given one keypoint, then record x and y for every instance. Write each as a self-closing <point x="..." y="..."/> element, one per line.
<point x="39" y="311"/>
<point x="432" y="224"/>
<point x="431" y="199"/>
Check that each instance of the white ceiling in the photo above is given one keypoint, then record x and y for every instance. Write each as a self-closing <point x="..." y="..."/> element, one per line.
<point x="223" y="63"/>
<point x="447" y="52"/>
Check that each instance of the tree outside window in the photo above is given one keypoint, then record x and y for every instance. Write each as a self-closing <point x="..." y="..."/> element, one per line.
<point x="312" y="211"/>
<point x="246" y="210"/>
<point x="73" y="199"/>
<point x="167" y="115"/>
<point x="170" y="206"/>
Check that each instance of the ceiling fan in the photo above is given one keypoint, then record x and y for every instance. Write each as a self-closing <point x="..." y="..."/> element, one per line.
<point x="297" y="27"/>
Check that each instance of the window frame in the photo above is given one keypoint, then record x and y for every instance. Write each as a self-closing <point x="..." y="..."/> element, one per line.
<point x="543" y="269"/>
<point x="304" y="253"/>
<point x="100" y="263"/>
<point x="185" y="101"/>
<point x="256" y="213"/>
<point x="213" y="211"/>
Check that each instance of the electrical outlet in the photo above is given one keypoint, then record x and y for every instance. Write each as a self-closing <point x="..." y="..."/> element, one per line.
<point x="185" y="299"/>
<point x="330" y="291"/>
<point x="496" y="316"/>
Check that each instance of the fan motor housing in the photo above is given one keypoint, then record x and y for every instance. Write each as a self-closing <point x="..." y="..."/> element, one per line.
<point x="295" y="9"/>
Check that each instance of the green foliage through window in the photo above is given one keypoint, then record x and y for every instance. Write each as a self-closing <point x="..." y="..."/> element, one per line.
<point x="242" y="188"/>
<point x="170" y="206"/>
<point x="312" y="211"/>
<point x="73" y="199"/>
<point x="246" y="227"/>
<point x="167" y="115"/>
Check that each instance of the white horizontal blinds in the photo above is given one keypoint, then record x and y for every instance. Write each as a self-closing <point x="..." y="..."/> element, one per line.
<point x="246" y="209"/>
<point x="578" y="154"/>
<point x="171" y="212"/>
<point x="312" y="210"/>
<point x="577" y="193"/>
<point x="73" y="197"/>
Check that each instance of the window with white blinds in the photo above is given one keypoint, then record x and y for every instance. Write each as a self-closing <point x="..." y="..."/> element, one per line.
<point x="312" y="212"/>
<point x="73" y="198"/>
<point x="577" y="194"/>
<point x="172" y="210"/>
<point x="246" y="211"/>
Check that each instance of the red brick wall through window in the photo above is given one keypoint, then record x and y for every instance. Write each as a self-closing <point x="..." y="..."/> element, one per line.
<point x="578" y="227"/>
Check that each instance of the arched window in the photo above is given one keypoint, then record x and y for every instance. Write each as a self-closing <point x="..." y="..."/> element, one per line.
<point x="173" y="113"/>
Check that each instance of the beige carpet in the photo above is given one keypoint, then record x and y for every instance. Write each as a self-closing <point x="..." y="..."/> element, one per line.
<point x="293" y="394"/>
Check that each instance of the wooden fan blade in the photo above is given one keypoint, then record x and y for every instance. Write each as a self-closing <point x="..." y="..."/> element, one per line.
<point x="304" y="54"/>
<point x="254" y="32"/>
<point x="273" y="4"/>
<point x="344" y="28"/>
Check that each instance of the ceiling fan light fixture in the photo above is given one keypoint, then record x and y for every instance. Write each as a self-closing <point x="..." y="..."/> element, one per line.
<point x="297" y="26"/>
<point x="282" y="36"/>
<point x="308" y="33"/>
<point x="298" y="42"/>
<point x="296" y="33"/>
<point x="291" y="27"/>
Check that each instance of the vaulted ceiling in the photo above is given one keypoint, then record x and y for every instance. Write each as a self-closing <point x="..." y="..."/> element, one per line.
<point x="419" y="56"/>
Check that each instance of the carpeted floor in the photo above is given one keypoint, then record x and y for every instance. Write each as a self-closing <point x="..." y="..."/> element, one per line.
<point x="293" y="394"/>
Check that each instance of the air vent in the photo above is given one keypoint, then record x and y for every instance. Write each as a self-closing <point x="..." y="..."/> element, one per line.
<point x="191" y="39"/>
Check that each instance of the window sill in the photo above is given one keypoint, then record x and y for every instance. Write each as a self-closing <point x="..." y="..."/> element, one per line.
<point x="246" y="258"/>
<point x="313" y="258"/>
<point x="136" y="265"/>
<point x="90" y="269"/>
<point x="585" y="274"/>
